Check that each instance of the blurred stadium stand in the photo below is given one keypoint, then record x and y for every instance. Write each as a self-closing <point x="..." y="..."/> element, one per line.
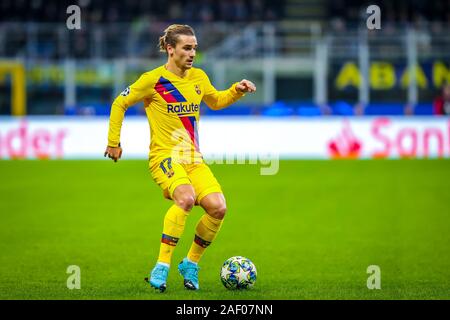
<point x="307" y="57"/>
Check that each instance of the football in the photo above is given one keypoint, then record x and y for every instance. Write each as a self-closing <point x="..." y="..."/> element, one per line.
<point x="238" y="273"/>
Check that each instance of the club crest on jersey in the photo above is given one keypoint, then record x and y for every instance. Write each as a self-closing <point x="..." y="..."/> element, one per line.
<point x="125" y="92"/>
<point x="197" y="89"/>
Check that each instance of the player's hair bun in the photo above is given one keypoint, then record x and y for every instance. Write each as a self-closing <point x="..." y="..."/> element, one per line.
<point x="162" y="43"/>
<point x="171" y="35"/>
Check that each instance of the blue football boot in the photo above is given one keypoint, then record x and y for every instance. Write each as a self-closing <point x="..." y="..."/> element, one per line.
<point x="158" y="277"/>
<point x="189" y="271"/>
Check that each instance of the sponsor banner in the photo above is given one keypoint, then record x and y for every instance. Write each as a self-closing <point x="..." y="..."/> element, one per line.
<point x="385" y="75"/>
<point x="319" y="138"/>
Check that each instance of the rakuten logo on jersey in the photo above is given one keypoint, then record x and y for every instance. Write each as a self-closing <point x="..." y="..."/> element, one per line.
<point x="22" y="142"/>
<point x="182" y="108"/>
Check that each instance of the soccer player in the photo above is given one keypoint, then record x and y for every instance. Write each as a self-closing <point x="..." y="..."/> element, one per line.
<point x="172" y="94"/>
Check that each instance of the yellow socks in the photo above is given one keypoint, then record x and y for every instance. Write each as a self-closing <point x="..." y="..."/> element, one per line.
<point x="205" y="233"/>
<point x="174" y="222"/>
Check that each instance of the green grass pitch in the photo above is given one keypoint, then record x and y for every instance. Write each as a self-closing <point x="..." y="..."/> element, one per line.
<point x="311" y="230"/>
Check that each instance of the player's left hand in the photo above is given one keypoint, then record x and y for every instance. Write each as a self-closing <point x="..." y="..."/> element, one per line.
<point x="246" y="86"/>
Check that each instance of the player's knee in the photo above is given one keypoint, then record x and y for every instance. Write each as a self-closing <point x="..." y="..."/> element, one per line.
<point x="218" y="211"/>
<point x="186" y="201"/>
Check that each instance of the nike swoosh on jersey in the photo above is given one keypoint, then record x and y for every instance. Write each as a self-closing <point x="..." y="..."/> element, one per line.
<point x="173" y="95"/>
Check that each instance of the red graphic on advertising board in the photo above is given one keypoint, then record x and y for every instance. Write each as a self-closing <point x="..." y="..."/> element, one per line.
<point x="345" y="145"/>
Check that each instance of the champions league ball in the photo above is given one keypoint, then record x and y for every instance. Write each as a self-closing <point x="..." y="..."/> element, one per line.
<point x="238" y="273"/>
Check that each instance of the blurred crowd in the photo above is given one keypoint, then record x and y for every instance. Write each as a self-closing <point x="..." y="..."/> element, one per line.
<point x="425" y="15"/>
<point x="398" y="11"/>
<point x="441" y="104"/>
<point x="132" y="10"/>
<point x="144" y="20"/>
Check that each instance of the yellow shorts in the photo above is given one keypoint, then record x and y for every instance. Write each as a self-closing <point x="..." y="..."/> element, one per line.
<point x="170" y="174"/>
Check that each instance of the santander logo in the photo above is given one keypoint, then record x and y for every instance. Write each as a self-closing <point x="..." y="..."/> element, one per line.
<point x="391" y="138"/>
<point x="409" y="141"/>
<point x="345" y="145"/>
<point x="22" y="142"/>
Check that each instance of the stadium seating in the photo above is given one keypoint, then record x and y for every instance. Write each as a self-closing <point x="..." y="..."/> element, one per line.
<point x="384" y="109"/>
<point x="342" y="108"/>
<point x="423" y="109"/>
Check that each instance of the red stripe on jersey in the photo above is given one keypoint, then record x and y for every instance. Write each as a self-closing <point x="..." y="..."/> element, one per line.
<point x="189" y="128"/>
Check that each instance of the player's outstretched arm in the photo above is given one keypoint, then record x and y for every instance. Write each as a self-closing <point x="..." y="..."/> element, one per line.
<point x="217" y="100"/>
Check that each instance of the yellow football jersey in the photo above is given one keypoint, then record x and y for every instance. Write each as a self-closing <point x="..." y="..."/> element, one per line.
<point x="172" y="105"/>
